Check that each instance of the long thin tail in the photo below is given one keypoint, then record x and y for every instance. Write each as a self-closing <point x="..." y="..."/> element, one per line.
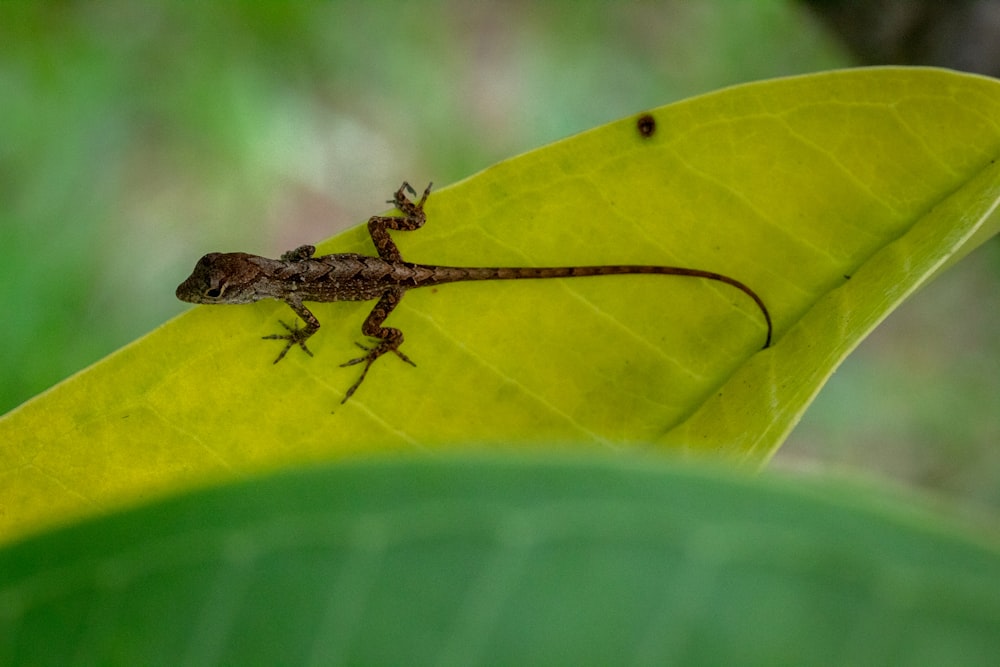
<point x="445" y="274"/>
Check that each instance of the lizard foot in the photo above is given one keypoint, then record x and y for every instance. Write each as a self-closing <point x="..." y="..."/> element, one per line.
<point x="295" y="336"/>
<point x="368" y="359"/>
<point x="406" y="205"/>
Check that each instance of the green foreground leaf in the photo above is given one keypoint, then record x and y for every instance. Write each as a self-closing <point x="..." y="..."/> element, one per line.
<point x="499" y="561"/>
<point x="834" y="196"/>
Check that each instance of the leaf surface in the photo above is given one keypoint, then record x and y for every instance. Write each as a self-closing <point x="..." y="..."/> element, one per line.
<point x="834" y="196"/>
<point x="505" y="561"/>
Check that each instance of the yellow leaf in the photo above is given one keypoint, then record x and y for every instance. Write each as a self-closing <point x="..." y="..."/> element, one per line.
<point x="834" y="196"/>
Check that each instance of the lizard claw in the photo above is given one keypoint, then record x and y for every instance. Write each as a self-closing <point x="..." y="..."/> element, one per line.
<point x="294" y="336"/>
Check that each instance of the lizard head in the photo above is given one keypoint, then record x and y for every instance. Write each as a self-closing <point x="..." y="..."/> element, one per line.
<point x="222" y="278"/>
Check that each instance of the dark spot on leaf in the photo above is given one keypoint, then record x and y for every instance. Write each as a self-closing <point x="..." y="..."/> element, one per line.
<point x="646" y="125"/>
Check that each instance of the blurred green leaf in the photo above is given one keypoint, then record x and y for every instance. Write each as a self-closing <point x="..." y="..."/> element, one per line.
<point x="501" y="561"/>
<point x="834" y="196"/>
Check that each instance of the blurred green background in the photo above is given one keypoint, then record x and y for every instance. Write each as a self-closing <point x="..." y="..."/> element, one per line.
<point x="134" y="137"/>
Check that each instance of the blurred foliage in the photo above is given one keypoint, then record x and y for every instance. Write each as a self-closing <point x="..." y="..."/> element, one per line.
<point x="962" y="34"/>
<point x="134" y="137"/>
<point x="508" y="561"/>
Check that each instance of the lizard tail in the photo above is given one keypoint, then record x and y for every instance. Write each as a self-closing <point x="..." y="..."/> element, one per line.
<point x="443" y="274"/>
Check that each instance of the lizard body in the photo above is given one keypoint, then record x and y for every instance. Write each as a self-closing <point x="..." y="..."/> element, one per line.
<point x="299" y="276"/>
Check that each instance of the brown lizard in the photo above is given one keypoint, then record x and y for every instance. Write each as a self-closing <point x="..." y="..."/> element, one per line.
<point x="298" y="276"/>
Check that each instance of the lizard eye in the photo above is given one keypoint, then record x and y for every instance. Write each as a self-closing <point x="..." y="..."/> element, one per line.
<point x="216" y="291"/>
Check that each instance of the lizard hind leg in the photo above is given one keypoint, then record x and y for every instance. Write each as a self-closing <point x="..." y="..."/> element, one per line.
<point x="389" y="339"/>
<point x="413" y="218"/>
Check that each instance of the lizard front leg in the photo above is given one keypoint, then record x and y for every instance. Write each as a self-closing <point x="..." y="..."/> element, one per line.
<point x="389" y="339"/>
<point x="413" y="218"/>
<point x="295" y="335"/>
